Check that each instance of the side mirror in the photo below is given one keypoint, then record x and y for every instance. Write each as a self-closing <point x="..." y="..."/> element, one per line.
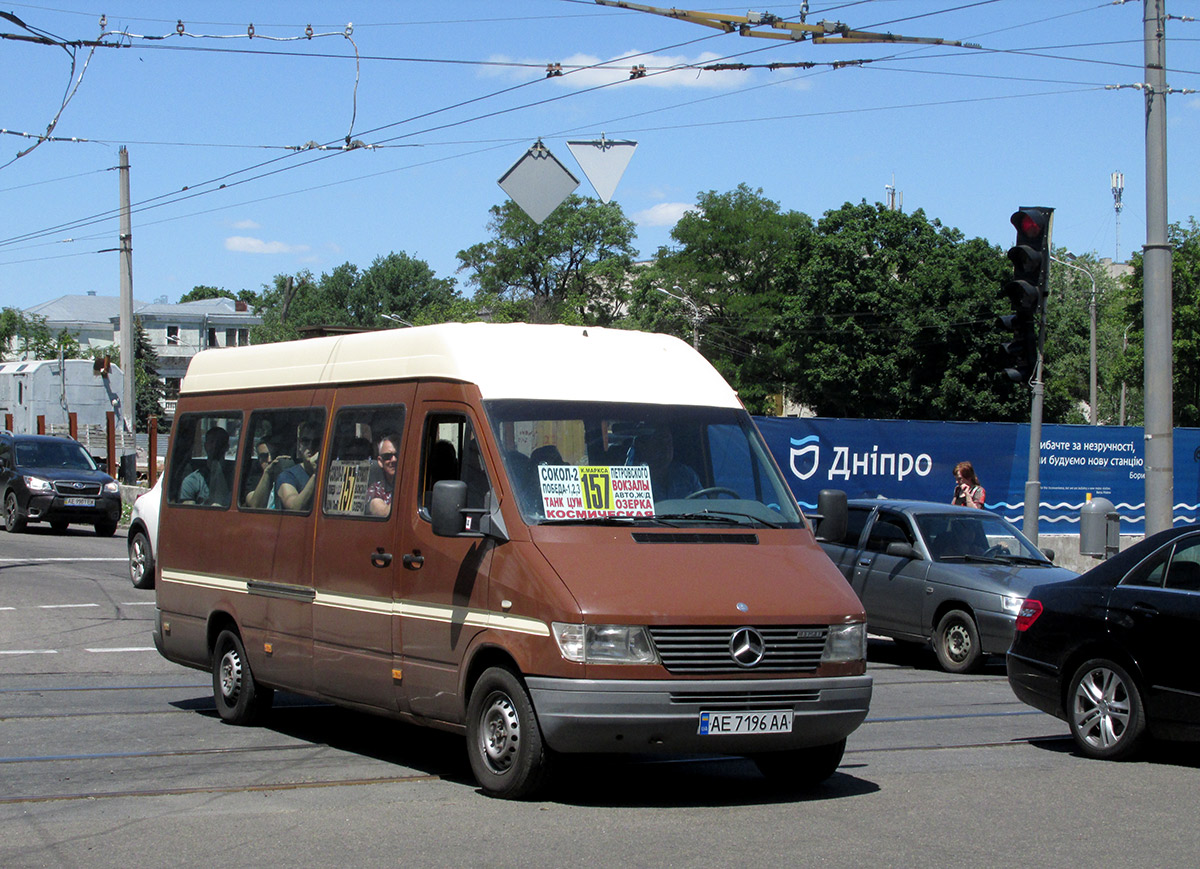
<point x="451" y="517"/>
<point x="902" y="550"/>
<point x="1048" y="552"/>
<point x="832" y="515"/>
<point x="449" y="500"/>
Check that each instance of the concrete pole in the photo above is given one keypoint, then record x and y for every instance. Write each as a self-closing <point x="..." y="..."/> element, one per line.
<point x="1156" y="258"/>
<point x="126" y="255"/>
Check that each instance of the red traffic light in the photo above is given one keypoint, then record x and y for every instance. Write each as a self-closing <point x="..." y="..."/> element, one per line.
<point x="1031" y="223"/>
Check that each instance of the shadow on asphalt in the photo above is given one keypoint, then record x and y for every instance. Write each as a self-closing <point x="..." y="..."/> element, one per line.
<point x="921" y="657"/>
<point x="584" y="780"/>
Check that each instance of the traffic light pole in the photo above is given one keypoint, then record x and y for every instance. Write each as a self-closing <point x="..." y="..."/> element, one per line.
<point x="1033" y="481"/>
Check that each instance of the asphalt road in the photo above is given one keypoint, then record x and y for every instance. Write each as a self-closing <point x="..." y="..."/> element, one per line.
<point x="111" y="756"/>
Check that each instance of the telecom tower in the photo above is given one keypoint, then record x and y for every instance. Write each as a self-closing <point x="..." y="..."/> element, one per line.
<point x="1118" y="185"/>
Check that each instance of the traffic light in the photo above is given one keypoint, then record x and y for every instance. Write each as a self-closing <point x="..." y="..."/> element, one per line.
<point x="1026" y="291"/>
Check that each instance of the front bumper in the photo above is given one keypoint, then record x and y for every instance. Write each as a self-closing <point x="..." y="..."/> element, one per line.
<point x="614" y="715"/>
<point x="54" y="508"/>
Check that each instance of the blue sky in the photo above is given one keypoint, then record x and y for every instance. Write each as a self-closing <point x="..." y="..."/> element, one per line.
<point x="452" y="94"/>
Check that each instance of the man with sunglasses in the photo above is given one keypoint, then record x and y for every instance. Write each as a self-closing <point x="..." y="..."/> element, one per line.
<point x="295" y="488"/>
<point x="379" y="493"/>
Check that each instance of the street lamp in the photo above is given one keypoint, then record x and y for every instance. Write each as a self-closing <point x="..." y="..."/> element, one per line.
<point x="695" y="312"/>
<point x="1092" y="399"/>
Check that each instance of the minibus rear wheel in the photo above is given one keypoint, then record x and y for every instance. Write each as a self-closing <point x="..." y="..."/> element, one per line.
<point x="240" y="700"/>
<point x="504" y="742"/>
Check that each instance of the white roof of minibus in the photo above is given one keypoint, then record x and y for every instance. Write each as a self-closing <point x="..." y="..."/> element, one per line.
<point x="505" y="360"/>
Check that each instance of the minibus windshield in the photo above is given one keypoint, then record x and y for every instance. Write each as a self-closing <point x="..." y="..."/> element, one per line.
<point x="579" y="462"/>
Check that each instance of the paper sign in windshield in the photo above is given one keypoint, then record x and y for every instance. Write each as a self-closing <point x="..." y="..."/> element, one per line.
<point x="593" y="491"/>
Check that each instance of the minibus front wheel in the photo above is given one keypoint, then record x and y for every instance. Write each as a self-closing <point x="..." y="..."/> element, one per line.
<point x="504" y="743"/>
<point x="240" y="700"/>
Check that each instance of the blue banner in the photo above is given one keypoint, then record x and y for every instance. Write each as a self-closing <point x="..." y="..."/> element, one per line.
<point x="870" y="458"/>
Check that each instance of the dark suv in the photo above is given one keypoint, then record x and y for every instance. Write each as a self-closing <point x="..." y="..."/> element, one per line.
<point x="53" y="479"/>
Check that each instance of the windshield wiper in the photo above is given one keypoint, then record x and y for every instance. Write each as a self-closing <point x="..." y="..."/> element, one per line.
<point x="724" y="517"/>
<point x="983" y="559"/>
<point x="1024" y="559"/>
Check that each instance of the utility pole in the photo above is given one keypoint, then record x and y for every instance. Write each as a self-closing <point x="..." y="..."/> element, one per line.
<point x="1156" y="258"/>
<point x="126" y="255"/>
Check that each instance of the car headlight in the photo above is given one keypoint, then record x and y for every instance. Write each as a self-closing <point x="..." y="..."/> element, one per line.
<point x="604" y="644"/>
<point x="114" y="487"/>
<point x="37" y="484"/>
<point x="1011" y="603"/>
<point x="845" y="643"/>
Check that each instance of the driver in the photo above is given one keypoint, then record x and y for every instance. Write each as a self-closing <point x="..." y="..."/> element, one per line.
<point x="668" y="478"/>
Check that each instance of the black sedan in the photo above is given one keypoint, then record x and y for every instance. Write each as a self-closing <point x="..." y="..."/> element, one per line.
<point x="1113" y="652"/>
<point x="53" y="479"/>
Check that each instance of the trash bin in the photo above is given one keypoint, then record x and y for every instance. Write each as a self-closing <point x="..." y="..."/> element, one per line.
<point x="1099" y="529"/>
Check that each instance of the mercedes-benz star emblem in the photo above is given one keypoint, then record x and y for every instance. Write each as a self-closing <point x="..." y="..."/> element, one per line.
<point x="747" y="647"/>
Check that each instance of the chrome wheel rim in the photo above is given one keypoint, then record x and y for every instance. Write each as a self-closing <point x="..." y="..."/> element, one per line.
<point x="137" y="559"/>
<point x="499" y="733"/>
<point x="231" y="676"/>
<point x="10" y="510"/>
<point x="1100" y="709"/>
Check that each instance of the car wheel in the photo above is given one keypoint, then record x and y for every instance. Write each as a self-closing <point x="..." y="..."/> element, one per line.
<point x="956" y="642"/>
<point x="13" y="520"/>
<point x="141" y="560"/>
<point x="240" y="700"/>
<point x="802" y="767"/>
<point x="59" y="527"/>
<point x="106" y="529"/>
<point x="1105" y="710"/>
<point x="504" y="743"/>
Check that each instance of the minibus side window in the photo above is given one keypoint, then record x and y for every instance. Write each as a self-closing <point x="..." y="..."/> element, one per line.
<point x="204" y="454"/>
<point x="361" y="475"/>
<point x="449" y="451"/>
<point x="279" y="470"/>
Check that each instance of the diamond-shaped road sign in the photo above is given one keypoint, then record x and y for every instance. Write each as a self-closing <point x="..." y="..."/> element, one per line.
<point x="603" y="162"/>
<point x="538" y="183"/>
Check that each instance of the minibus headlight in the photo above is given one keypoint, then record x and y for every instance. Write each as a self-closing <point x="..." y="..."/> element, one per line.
<point x="604" y="644"/>
<point x="37" y="484"/>
<point x="845" y="643"/>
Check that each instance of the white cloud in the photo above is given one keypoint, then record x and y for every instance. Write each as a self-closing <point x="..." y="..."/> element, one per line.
<point x="246" y="224"/>
<point x="663" y="214"/>
<point x="245" y="244"/>
<point x="618" y="68"/>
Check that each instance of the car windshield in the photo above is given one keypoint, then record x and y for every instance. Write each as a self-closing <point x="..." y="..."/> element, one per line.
<point x="54" y="454"/>
<point x="589" y="462"/>
<point x="974" y="537"/>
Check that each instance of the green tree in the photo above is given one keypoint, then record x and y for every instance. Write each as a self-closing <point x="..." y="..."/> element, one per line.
<point x="1185" y="301"/>
<point x="28" y="336"/>
<point x="570" y="268"/>
<point x="201" y="292"/>
<point x="734" y="261"/>
<point x="396" y="285"/>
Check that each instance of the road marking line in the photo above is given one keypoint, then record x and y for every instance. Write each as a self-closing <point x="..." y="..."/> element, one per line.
<point x="28" y="651"/>
<point x="36" y="560"/>
<point x="123" y="649"/>
<point x="66" y="606"/>
<point x="7" y="608"/>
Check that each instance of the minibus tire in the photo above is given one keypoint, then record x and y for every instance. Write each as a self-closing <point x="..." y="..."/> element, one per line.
<point x="239" y="699"/>
<point x="504" y="743"/>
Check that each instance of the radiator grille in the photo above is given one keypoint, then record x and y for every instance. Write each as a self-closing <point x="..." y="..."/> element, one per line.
<point x="706" y="649"/>
<point x="70" y="488"/>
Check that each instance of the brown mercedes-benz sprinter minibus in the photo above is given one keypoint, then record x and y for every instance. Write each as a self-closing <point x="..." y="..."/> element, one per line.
<point x="553" y="539"/>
